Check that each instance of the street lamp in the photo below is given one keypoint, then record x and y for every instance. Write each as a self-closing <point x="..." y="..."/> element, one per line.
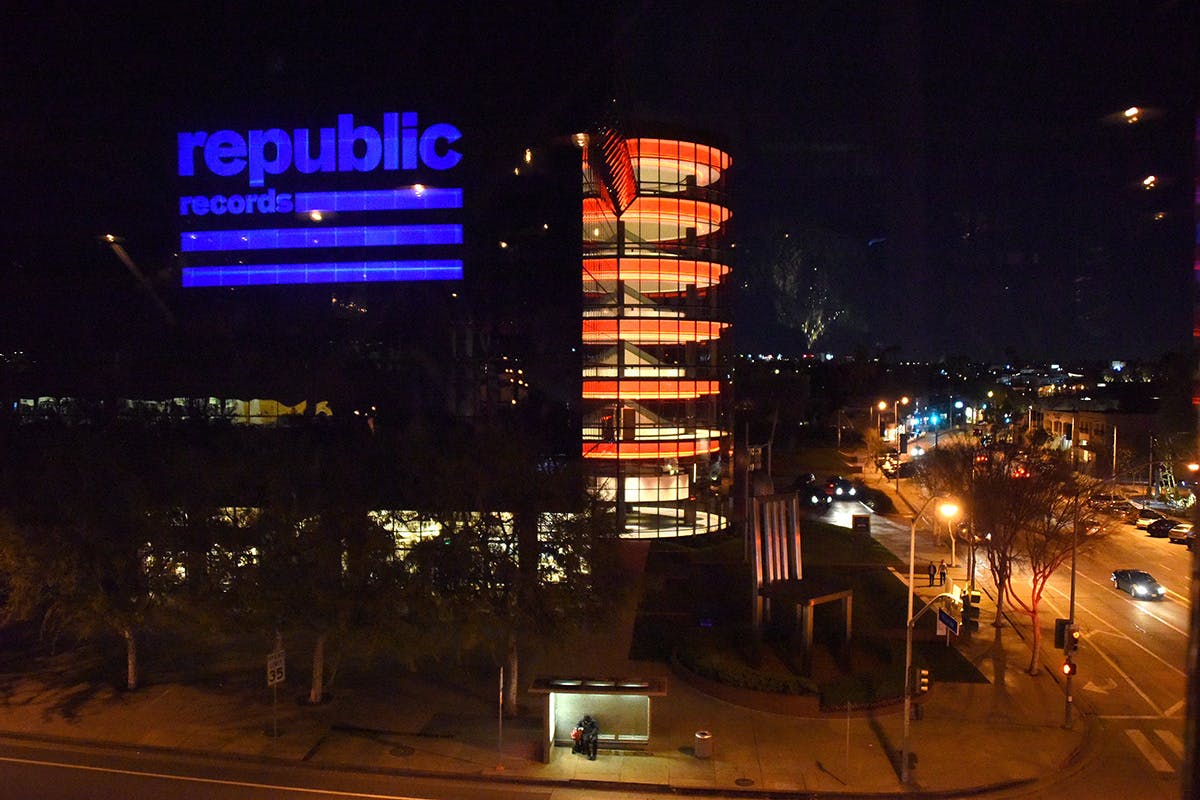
<point x="948" y="510"/>
<point x="899" y="454"/>
<point x="896" y="414"/>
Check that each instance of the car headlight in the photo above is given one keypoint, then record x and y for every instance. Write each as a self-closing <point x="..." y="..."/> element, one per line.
<point x="853" y="492"/>
<point x="839" y="490"/>
<point x="1161" y="590"/>
<point x="1139" y="589"/>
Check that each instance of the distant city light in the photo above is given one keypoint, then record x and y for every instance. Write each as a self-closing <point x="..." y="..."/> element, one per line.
<point x="1150" y="181"/>
<point x="1132" y="114"/>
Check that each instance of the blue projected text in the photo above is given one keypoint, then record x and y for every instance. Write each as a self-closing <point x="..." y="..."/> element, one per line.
<point x="346" y="148"/>
<point x="333" y="194"/>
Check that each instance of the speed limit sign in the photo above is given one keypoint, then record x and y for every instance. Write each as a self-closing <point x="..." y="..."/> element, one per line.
<point x="275" y="668"/>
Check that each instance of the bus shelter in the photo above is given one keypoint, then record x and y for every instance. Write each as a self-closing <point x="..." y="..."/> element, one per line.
<point x="621" y="707"/>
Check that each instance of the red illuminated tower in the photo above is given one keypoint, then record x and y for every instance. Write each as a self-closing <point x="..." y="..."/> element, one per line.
<point x="655" y="429"/>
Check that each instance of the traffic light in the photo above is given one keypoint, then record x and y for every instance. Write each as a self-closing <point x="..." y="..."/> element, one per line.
<point x="1068" y="667"/>
<point x="1071" y="639"/>
<point x="922" y="683"/>
<point x="1060" y="632"/>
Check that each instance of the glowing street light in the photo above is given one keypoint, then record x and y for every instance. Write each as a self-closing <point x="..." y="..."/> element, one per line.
<point x="896" y="415"/>
<point x="948" y="509"/>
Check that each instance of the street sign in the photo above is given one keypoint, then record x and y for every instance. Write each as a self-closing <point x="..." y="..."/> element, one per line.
<point x="945" y="618"/>
<point x="275" y="668"/>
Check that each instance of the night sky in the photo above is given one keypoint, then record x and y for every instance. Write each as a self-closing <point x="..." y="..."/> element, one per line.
<point x="959" y="151"/>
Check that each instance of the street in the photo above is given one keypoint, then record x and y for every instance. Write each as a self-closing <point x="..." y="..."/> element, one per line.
<point x="63" y="772"/>
<point x="1131" y="678"/>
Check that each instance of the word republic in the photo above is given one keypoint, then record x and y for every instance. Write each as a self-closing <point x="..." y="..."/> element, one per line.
<point x="399" y="144"/>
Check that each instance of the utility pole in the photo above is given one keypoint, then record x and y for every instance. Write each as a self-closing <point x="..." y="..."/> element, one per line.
<point x="1071" y="615"/>
<point x="1150" y="471"/>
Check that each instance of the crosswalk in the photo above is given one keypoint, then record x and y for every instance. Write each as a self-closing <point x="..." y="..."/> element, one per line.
<point x="1162" y="751"/>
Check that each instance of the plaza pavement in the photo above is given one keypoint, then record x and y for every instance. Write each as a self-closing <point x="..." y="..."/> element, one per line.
<point x="972" y="739"/>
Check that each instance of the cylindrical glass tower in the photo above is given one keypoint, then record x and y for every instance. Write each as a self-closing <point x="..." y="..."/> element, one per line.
<point x="655" y="429"/>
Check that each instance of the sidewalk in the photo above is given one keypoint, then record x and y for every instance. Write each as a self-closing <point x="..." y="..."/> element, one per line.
<point x="972" y="737"/>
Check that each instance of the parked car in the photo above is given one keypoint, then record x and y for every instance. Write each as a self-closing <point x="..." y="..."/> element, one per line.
<point x="1145" y="516"/>
<point x="1138" y="583"/>
<point x="1159" y="528"/>
<point x="1106" y="501"/>
<point x="1181" y="533"/>
<point x="905" y="469"/>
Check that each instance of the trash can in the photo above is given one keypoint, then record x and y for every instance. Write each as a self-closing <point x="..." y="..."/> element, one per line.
<point x="704" y="744"/>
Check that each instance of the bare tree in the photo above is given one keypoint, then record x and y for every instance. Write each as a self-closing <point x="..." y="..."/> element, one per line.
<point x="1029" y="505"/>
<point x="805" y="271"/>
<point x="1061" y="523"/>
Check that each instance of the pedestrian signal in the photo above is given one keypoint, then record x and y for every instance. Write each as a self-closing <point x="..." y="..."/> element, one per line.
<point x="1068" y="667"/>
<point x="1071" y="639"/>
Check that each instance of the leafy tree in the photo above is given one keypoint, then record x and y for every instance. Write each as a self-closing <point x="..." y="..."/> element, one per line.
<point x="75" y="542"/>
<point x="521" y="555"/>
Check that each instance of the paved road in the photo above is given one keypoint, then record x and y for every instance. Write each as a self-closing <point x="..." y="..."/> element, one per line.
<point x="67" y="773"/>
<point x="1131" y="677"/>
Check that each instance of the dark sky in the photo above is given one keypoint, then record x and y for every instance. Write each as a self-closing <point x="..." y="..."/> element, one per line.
<point x="965" y="142"/>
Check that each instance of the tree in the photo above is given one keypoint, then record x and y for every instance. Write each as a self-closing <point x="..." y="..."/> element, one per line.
<point x="521" y="555"/>
<point x="1029" y="505"/>
<point x="1061" y="525"/>
<point x="806" y="269"/>
<point x="875" y="444"/>
<point x="75" y="546"/>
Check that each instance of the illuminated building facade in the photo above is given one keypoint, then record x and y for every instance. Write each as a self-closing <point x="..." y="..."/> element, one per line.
<point x="656" y="436"/>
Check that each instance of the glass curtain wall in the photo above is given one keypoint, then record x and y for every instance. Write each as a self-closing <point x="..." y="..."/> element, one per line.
<point x="655" y="431"/>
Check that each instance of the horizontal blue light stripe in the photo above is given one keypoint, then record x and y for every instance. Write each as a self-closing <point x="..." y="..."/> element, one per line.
<point x="301" y="238"/>
<point x="379" y="200"/>
<point x="323" y="272"/>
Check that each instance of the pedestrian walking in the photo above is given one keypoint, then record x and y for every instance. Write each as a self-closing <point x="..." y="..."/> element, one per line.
<point x="942" y="573"/>
<point x="932" y="573"/>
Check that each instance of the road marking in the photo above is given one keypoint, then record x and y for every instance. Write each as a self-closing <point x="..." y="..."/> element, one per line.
<point x="1093" y="642"/>
<point x="1148" y="752"/>
<point x="1173" y="742"/>
<point x="213" y="781"/>
<point x="1109" y="685"/>
<point x="1142" y="606"/>
<point x="1175" y="708"/>
<point x="1117" y="632"/>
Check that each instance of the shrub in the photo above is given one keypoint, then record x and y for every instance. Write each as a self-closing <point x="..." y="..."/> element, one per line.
<point x="726" y="667"/>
